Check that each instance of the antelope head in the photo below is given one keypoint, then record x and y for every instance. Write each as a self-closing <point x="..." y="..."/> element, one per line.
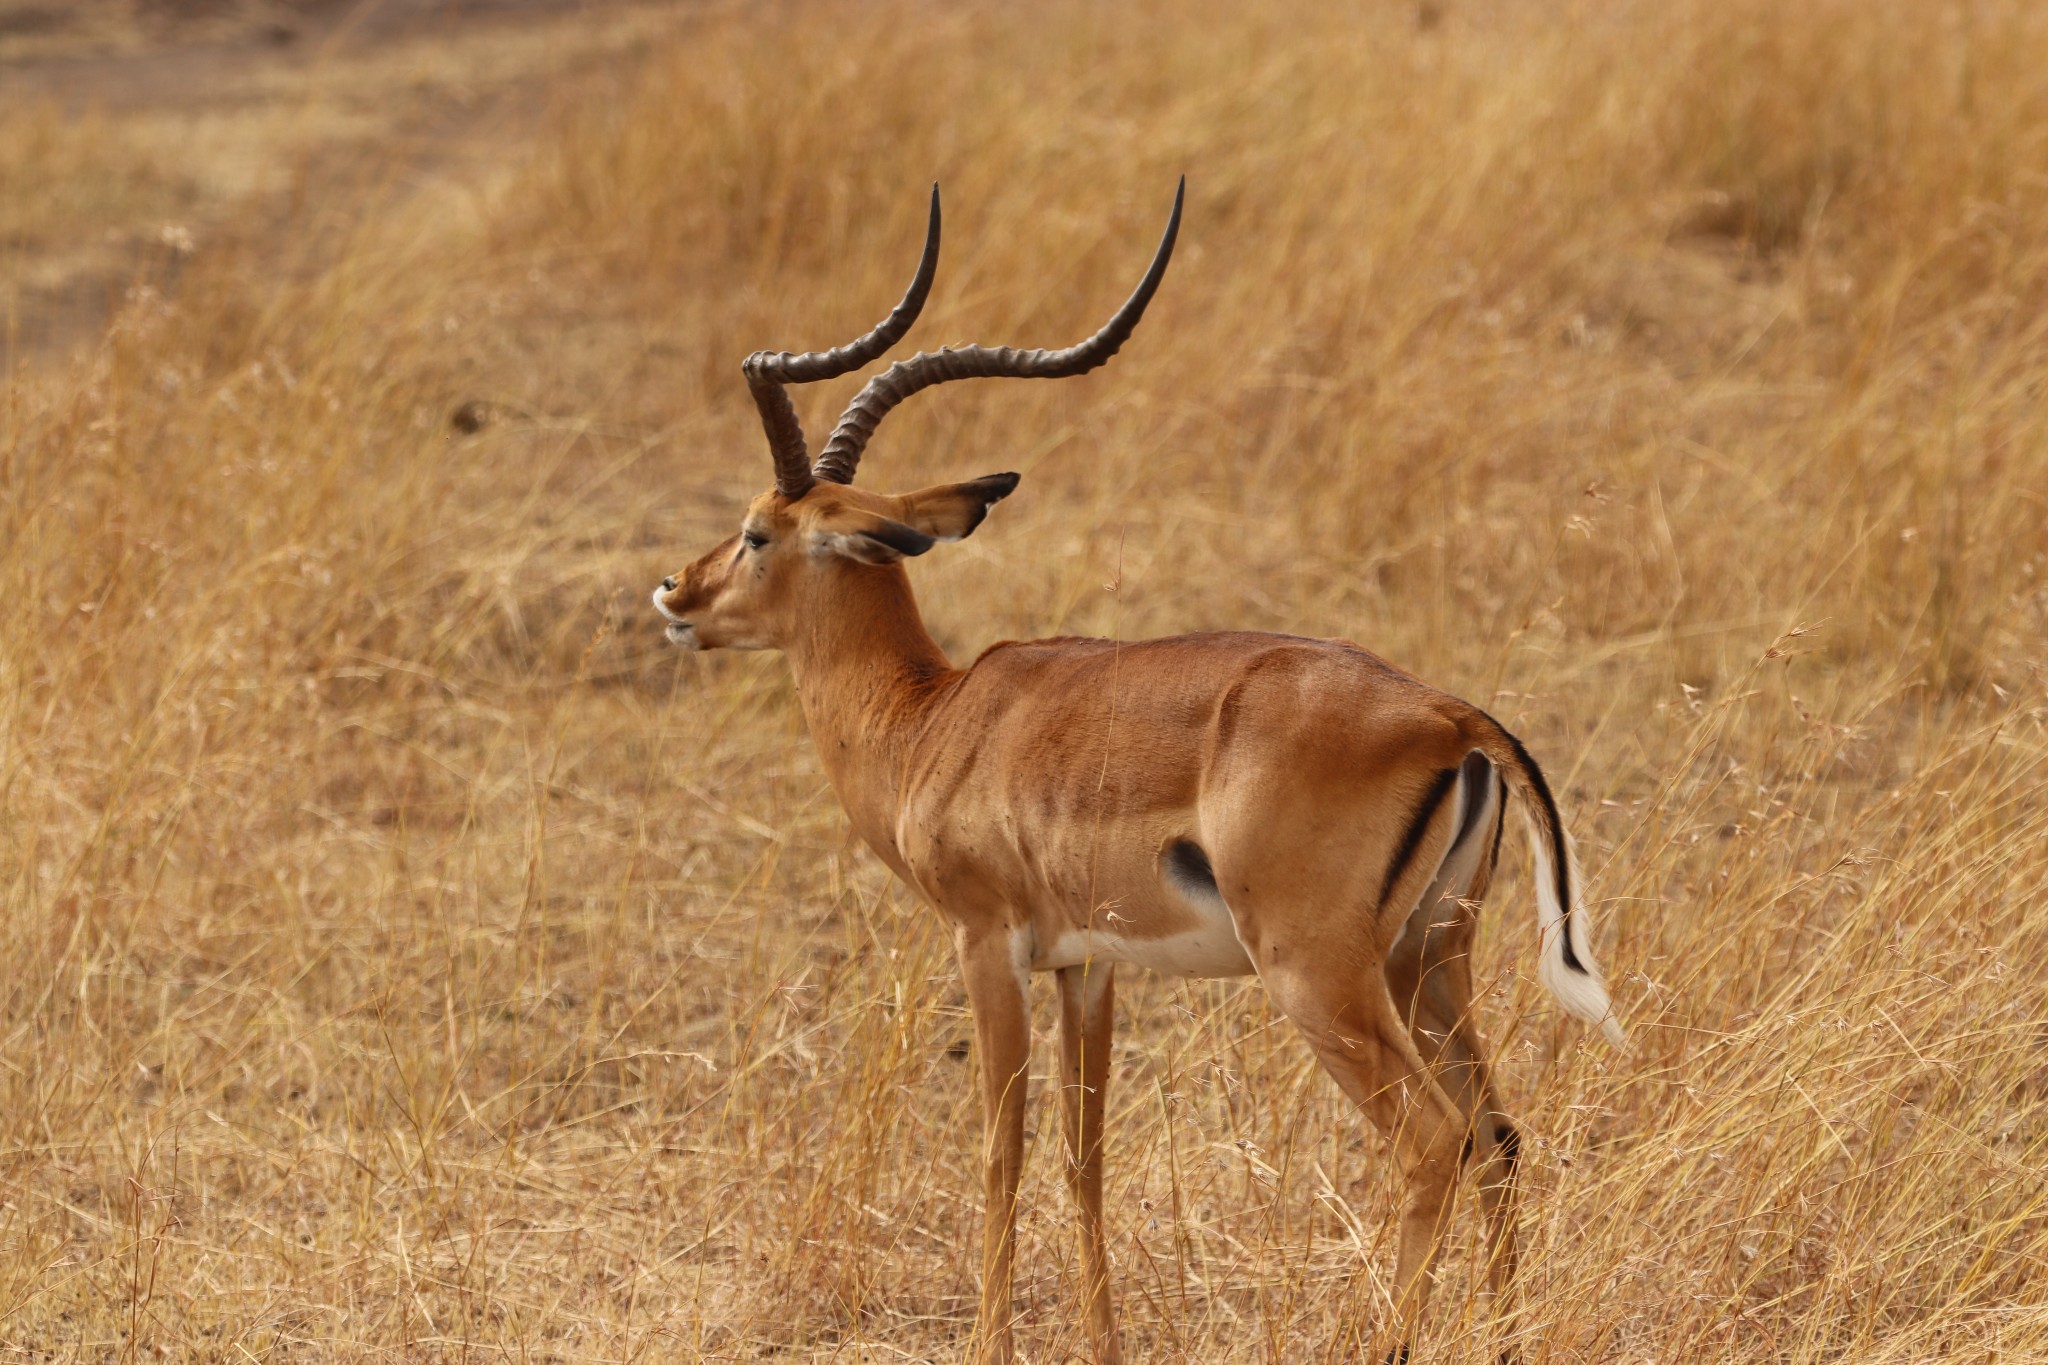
<point x="806" y="542"/>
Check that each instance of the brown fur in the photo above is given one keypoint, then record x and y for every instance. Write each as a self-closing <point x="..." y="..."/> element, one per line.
<point x="1030" y="799"/>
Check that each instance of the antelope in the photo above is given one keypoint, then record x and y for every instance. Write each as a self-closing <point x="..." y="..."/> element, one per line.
<point x="1203" y="805"/>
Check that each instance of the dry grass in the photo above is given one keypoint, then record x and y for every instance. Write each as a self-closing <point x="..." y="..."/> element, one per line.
<point x="406" y="957"/>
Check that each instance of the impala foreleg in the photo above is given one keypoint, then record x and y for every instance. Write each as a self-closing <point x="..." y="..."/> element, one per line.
<point x="1087" y="1016"/>
<point x="995" y="968"/>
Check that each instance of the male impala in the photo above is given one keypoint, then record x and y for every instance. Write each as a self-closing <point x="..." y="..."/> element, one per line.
<point x="1205" y="805"/>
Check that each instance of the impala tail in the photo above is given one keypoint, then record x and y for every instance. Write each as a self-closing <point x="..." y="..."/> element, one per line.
<point x="1566" y="966"/>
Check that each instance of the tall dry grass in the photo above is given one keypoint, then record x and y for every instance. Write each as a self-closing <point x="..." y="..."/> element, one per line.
<point x="407" y="957"/>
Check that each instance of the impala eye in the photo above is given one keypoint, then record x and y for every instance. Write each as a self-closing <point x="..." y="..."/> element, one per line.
<point x="755" y="540"/>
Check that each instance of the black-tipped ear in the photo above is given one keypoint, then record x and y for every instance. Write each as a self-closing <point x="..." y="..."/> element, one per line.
<point x="952" y="511"/>
<point x="868" y="538"/>
<point x="991" y="489"/>
<point x="904" y="540"/>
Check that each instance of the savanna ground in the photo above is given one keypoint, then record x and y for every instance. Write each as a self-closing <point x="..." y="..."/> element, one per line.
<point x="407" y="956"/>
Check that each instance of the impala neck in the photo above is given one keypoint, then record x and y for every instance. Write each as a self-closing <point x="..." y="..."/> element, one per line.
<point x="867" y="672"/>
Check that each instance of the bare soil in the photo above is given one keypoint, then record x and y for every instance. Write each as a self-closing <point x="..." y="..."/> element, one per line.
<point x="201" y="121"/>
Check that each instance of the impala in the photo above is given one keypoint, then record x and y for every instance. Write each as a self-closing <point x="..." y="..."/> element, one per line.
<point x="1203" y="805"/>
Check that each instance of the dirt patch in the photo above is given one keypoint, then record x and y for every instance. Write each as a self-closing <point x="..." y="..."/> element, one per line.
<point x="133" y="134"/>
<point x="34" y="31"/>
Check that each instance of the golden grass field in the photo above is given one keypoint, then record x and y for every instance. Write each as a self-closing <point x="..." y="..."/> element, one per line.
<point x="407" y="956"/>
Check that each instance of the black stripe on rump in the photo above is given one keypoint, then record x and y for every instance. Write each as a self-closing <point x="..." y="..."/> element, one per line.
<point x="1411" y="839"/>
<point x="1560" y="861"/>
<point x="1500" y="821"/>
<point x="1477" y="769"/>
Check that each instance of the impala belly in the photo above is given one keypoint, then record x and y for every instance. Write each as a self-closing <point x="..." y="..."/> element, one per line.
<point x="1212" y="950"/>
<point x="1194" y="932"/>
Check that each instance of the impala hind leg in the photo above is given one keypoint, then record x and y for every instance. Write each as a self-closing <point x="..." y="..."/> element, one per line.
<point x="1429" y="976"/>
<point x="1087" y="1016"/>
<point x="1365" y="1046"/>
<point x="995" y="969"/>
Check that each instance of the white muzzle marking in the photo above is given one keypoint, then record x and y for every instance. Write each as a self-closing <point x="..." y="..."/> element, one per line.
<point x="679" y="631"/>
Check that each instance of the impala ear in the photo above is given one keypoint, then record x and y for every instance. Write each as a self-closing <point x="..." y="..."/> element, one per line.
<point x="951" y="511"/>
<point x="871" y="539"/>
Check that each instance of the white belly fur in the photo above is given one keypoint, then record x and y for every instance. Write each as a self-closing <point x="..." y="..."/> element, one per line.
<point x="1212" y="949"/>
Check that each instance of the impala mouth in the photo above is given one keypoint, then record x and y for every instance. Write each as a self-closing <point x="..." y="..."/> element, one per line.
<point x="679" y="631"/>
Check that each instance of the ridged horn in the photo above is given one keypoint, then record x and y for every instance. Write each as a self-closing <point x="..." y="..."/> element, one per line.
<point x="841" y="456"/>
<point x="769" y="371"/>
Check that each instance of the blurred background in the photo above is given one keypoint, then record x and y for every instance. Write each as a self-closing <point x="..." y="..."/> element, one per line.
<point x="407" y="956"/>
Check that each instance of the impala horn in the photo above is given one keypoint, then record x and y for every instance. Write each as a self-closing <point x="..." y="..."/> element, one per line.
<point x="841" y="456"/>
<point x="769" y="371"/>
